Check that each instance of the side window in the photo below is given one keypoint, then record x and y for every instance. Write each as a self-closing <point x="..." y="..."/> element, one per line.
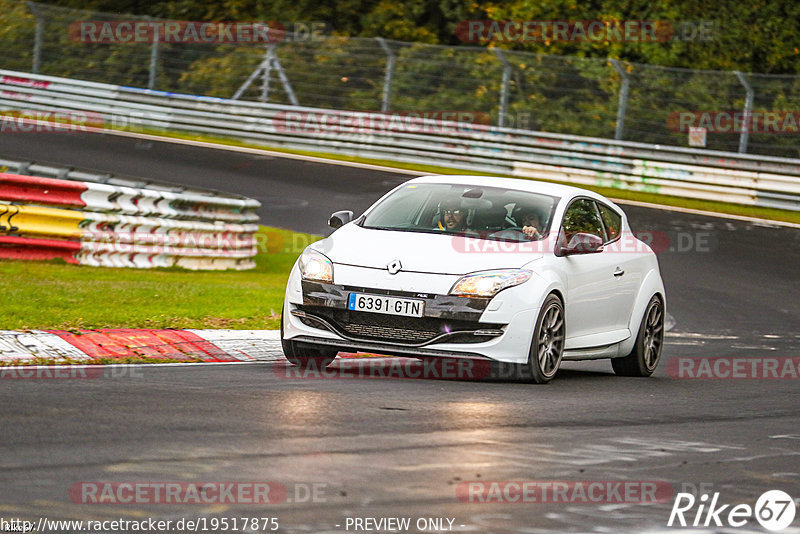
<point x="612" y="221"/>
<point x="582" y="216"/>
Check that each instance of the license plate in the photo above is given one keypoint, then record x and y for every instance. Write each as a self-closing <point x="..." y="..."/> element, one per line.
<point x="388" y="305"/>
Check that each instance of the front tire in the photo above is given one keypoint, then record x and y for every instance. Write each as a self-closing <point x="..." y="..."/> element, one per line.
<point x="305" y="358"/>
<point x="547" y="345"/>
<point x="646" y="353"/>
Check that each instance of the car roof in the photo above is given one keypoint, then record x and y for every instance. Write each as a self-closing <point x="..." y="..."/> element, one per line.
<point x="533" y="186"/>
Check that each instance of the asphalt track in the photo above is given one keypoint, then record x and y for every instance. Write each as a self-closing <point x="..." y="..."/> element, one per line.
<point x="401" y="447"/>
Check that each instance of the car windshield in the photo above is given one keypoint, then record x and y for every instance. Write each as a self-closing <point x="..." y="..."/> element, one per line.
<point x="477" y="211"/>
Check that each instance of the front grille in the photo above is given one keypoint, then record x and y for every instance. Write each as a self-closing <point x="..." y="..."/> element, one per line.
<point x="393" y="328"/>
<point x="401" y="335"/>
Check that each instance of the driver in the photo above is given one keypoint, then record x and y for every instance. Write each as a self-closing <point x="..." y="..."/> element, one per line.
<point x="453" y="216"/>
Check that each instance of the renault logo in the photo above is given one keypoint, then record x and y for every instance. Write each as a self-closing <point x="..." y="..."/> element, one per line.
<point x="394" y="266"/>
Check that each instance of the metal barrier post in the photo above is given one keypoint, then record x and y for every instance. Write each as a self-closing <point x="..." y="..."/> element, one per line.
<point x="37" y="39"/>
<point x="151" y="82"/>
<point x="267" y="72"/>
<point x="748" y="109"/>
<point x="504" y="87"/>
<point x="622" y="107"/>
<point x="264" y="68"/>
<point x="250" y="79"/>
<point x="387" y="79"/>
<point x="284" y="80"/>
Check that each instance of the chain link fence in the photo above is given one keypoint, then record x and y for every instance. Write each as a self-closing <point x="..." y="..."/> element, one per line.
<point x="569" y="95"/>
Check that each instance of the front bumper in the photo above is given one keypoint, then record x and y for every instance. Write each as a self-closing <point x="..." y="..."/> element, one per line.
<point x="452" y="326"/>
<point x="447" y="319"/>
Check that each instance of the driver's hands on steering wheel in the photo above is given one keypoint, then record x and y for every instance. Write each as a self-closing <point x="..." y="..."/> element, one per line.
<point x="531" y="231"/>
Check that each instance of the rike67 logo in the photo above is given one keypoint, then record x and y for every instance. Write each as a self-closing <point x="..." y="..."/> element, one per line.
<point x="774" y="510"/>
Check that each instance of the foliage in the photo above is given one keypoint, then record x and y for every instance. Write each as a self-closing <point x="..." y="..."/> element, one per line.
<point x="556" y="86"/>
<point x="16" y="35"/>
<point x="758" y="36"/>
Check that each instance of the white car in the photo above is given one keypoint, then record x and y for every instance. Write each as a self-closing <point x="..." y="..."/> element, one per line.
<point x="505" y="270"/>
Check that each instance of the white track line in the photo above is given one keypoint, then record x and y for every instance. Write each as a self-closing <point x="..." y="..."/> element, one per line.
<point x="259" y="151"/>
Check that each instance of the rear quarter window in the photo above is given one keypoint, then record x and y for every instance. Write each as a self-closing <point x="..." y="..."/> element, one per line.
<point x="612" y="222"/>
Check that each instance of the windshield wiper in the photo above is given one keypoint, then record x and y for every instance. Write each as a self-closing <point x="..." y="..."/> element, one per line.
<point x="460" y="233"/>
<point x="401" y="229"/>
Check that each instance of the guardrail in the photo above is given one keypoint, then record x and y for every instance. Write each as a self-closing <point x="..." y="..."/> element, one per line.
<point x="732" y="177"/>
<point x="120" y="226"/>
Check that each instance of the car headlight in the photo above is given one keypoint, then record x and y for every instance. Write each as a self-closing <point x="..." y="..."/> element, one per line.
<point x="490" y="283"/>
<point x="316" y="266"/>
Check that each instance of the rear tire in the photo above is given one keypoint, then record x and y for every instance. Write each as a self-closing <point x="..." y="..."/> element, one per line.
<point x="646" y="353"/>
<point x="547" y="345"/>
<point x="306" y="358"/>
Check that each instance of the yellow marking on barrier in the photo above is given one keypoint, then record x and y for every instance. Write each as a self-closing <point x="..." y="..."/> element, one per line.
<point x="35" y="220"/>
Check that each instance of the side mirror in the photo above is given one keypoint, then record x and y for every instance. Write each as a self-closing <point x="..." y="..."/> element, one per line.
<point x="340" y="218"/>
<point x="582" y="243"/>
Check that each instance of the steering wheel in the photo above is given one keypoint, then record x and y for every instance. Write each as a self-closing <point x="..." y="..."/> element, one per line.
<point x="519" y="229"/>
<point x="505" y="231"/>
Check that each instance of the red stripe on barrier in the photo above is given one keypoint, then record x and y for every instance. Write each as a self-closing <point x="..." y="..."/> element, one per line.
<point x="20" y="188"/>
<point x="27" y="248"/>
<point x="141" y="343"/>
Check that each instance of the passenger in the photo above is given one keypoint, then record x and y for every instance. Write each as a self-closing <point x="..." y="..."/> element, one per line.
<point x="530" y="221"/>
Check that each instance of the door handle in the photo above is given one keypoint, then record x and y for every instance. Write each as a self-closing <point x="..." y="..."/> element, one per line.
<point x="619" y="272"/>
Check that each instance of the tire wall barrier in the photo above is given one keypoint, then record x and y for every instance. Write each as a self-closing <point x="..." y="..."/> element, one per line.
<point x="101" y="224"/>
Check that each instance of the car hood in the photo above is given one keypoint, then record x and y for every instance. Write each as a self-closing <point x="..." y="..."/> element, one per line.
<point x="423" y="252"/>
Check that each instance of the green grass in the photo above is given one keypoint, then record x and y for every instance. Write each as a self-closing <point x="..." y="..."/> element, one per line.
<point x="56" y="295"/>
<point x="653" y="198"/>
